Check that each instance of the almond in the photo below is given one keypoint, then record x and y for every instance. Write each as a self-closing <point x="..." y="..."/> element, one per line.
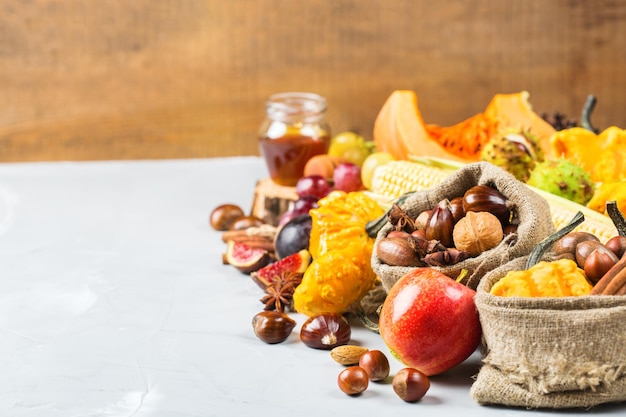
<point x="347" y="354"/>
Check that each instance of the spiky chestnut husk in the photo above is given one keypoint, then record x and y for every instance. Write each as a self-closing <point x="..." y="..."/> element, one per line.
<point x="564" y="178"/>
<point x="516" y="152"/>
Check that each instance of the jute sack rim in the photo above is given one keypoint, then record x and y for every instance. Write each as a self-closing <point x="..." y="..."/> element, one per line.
<point x="549" y="352"/>
<point x="532" y="210"/>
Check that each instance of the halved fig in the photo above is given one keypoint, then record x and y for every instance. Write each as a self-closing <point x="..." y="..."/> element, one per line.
<point x="295" y="263"/>
<point x="245" y="258"/>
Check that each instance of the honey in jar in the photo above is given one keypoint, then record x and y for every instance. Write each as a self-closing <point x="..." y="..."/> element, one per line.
<point x="293" y="132"/>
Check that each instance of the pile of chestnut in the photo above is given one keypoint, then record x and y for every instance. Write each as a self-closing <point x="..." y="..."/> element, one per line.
<point x="450" y="232"/>
<point x="589" y="253"/>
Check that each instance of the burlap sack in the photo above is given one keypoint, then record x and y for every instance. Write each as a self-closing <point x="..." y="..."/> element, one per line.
<point x="533" y="212"/>
<point x="550" y="352"/>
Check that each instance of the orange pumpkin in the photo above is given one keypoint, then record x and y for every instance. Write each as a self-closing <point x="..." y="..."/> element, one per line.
<point x="400" y="129"/>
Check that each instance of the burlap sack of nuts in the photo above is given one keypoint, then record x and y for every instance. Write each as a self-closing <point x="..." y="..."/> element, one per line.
<point x="550" y="352"/>
<point x="535" y="222"/>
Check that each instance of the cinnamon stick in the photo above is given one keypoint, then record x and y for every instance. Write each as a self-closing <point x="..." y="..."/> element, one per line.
<point x="616" y="283"/>
<point x="265" y="231"/>
<point x="621" y="291"/>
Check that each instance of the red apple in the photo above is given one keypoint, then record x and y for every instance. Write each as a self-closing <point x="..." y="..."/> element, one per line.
<point x="429" y="321"/>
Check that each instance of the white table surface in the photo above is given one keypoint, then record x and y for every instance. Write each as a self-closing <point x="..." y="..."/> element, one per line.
<point x="114" y="302"/>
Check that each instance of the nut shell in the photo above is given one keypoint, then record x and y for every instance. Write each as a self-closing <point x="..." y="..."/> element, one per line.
<point x="223" y="216"/>
<point x="488" y="199"/>
<point x="617" y="244"/>
<point x="598" y="262"/>
<point x="584" y="249"/>
<point x="477" y="232"/>
<point x="410" y="384"/>
<point x="440" y="224"/>
<point x="398" y="251"/>
<point x="272" y="326"/>
<point x="375" y="364"/>
<point x="347" y="354"/>
<point x="325" y="331"/>
<point x="246" y="222"/>
<point x="353" y="380"/>
<point x="567" y="244"/>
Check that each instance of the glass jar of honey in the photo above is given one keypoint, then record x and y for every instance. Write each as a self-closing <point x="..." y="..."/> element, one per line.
<point x="294" y="130"/>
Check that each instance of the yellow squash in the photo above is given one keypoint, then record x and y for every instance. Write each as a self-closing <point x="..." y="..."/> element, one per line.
<point x="602" y="155"/>
<point x="340" y="273"/>
<point x="559" y="278"/>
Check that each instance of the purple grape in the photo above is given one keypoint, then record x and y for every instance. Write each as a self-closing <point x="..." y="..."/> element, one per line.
<point x="314" y="185"/>
<point x="347" y="177"/>
<point x="304" y="204"/>
<point x="286" y="217"/>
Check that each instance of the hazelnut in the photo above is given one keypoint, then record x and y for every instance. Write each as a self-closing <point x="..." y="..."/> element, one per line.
<point x="353" y="380"/>
<point x="410" y="384"/>
<point x="477" y="232"/>
<point x="375" y="364"/>
<point x="598" y="262"/>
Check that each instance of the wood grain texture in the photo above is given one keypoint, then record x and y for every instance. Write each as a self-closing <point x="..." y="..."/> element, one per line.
<point x="137" y="79"/>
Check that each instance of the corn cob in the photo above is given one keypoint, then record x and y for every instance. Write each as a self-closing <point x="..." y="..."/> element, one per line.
<point x="399" y="177"/>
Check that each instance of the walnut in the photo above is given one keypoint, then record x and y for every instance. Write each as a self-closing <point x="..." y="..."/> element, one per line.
<point x="477" y="232"/>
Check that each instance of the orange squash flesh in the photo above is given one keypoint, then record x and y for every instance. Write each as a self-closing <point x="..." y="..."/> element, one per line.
<point x="465" y="139"/>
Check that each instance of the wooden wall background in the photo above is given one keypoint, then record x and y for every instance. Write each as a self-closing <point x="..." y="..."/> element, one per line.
<point x="119" y="79"/>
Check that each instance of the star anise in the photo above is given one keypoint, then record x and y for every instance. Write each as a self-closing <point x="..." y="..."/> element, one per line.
<point x="279" y="295"/>
<point x="400" y="219"/>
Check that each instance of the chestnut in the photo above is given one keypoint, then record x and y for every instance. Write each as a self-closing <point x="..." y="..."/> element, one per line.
<point x="398" y="251"/>
<point x="410" y="384"/>
<point x="486" y="198"/>
<point x="440" y="223"/>
<point x="509" y="229"/>
<point x="272" y="326"/>
<point x="325" y="331"/>
<point x="223" y="216"/>
<point x="456" y="207"/>
<point x="246" y="222"/>
<point x="375" y="364"/>
<point x="617" y="244"/>
<point x="399" y="233"/>
<point x="422" y="219"/>
<point x="567" y="244"/>
<point x="419" y="234"/>
<point x="583" y="249"/>
<point x="598" y="262"/>
<point x="353" y="380"/>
